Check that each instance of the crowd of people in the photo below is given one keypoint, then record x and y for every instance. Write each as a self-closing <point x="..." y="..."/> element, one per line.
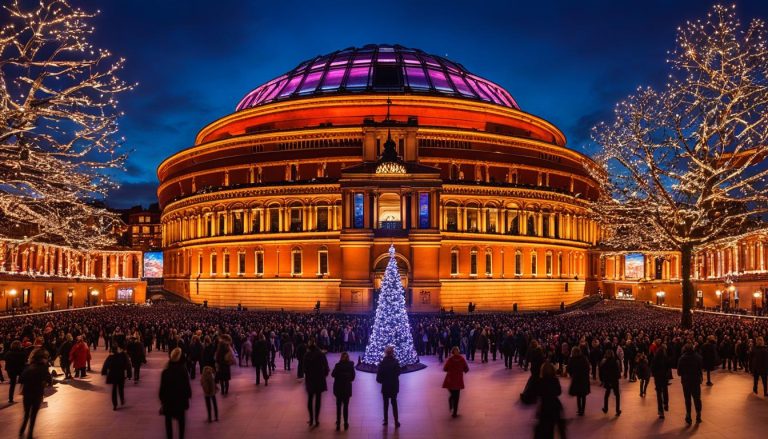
<point x="602" y="345"/>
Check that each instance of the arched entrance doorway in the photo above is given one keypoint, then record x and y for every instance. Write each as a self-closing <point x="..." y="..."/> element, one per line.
<point x="380" y="266"/>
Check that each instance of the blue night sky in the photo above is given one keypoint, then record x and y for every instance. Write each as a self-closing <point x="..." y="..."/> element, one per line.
<point x="567" y="61"/>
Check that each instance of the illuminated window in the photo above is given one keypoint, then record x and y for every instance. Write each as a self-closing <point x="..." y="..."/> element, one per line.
<point x="208" y="225"/>
<point x="514" y="225"/>
<point x="213" y="264"/>
<point x="296" y="223"/>
<point x="557" y="226"/>
<point x="548" y="263"/>
<point x="322" y="261"/>
<point x="534" y="262"/>
<point x="531" y="225"/>
<point x="491" y="222"/>
<point x="222" y="224"/>
<point x="424" y="210"/>
<point x="452" y="219"/>
<point x="545" y="226"/>
<point x="560" y="263"/>
<point x="518" y="263"/>
<point x="200" y="263"/>
<point x="296" y="262"/>
<point x="488" y="262"/>
<point x="274" y="219"/>
<point x="226" y="264"/>
<point x="322" y="218"/>
<point x="473" y="262"/>
<point x="259" y="263"/>
<point x="454" y="261"/>
<point x="240" y="263"/>
<point x="358" y="209"/>
<point x="237" y="223"/>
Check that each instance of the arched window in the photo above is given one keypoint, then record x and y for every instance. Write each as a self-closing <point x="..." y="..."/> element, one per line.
<point x="274" y="219"/>
<point x="473" y="263"/>
<point x="322" y="218"/>
<point x="545" y="225"/>
<point x="472" y="219"/>
<point x="240" y="263"/>
<point x="557" y="225"/>
<point x="322" y="261"/>
<point x="226" y="263"/>
<point x="208" y="225"/>
<point x="222" y="223"/>
<point x="534" y="263"/>
<point x="488" y="262"/>
<point x="514" y="225"/>
<point x="518" y="263"/>
<point x="296" y="218"/>
<point x="255" y="221"/>
<point x="454" y="261"/>
<point x="560" y="263"/>
<point x="451" y="218"/>
<point x="296" y="262"/>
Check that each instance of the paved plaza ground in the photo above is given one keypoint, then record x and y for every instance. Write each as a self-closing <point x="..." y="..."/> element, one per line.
<point x="489" y="408"/>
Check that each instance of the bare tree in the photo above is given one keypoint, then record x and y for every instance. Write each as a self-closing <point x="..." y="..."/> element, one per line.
<point x="684" y="166"/>
<point x="58" y="125"/>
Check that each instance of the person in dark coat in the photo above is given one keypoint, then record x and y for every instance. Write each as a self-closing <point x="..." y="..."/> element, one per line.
<point x="709" y="356"/>
<point x="301" y="350"/>
<point x="578" y="369"/>
<point x="286" y="351"/>
<point x="224" y="361"/>
<point x="316" y="370"/>
<point x="595" y="356"/>
<point x="34" y="379"/>
<point x="388" y="374"/>
<point x="195" y="356"/>
<point x="15" y="360"/>
<point x="689" y="369"/>
<point x="343" y="374"/>
<point x="260" y="359"/>
<point x="643" y="370"/>
<point x="550" y="411"/>
<point x="117" y="367"/>
<point x="455" y="367"/>
<point x="758" y="364"/>
<point x="610" y="372"/>
<point x="175" y="392"/>
<point x="660" y="372"/>
<point x="137" y="354"/>
<point x="63" y="354"/>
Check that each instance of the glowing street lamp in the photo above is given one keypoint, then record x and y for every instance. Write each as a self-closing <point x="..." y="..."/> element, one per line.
<point x="94" y="297"/>
<point x="755" y="297"/>
<point x="660" y="297"/>
<point x="13" y="293"/>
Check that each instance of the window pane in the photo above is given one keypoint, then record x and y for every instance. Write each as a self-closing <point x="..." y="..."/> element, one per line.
<point x="310" y="84"/>
<point x="461" y="86"/>
<point x="333" y="79"/>
<point x="424" y="210"/>
<point x="291" y="86"/>
<point x="323" y="262"/>
<point x="363" y="58"/>
<point x="439" y="80"/>
<point x="358" y="77"/>
<point x="358" y="211"/>
<point x="417" y="78"/>
<point x="340" y="60"/>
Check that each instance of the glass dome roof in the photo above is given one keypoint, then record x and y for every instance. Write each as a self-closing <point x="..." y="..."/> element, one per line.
<point x="378" y="68"/>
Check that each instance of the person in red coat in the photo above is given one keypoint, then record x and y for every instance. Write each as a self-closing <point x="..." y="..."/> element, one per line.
<point x="79" y="357"/>
<point x="455" y="367"/>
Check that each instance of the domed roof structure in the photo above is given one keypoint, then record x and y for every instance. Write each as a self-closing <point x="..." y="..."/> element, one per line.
<point x="378" y="68"/>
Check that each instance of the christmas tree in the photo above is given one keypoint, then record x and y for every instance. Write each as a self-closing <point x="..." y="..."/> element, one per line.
<point x="391" y="326"/>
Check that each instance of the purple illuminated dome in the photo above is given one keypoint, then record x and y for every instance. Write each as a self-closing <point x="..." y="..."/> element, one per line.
<point x="378" y="68"/>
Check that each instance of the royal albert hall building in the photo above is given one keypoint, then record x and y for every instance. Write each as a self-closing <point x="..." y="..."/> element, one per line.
<point x="297" y="196"/>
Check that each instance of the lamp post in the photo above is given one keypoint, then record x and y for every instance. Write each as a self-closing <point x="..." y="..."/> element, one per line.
<point x="719" y="295"/>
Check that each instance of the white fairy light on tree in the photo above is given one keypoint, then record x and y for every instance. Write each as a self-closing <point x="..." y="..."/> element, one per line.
<point x="684" y="166"/>
<point x="58" y="125"/>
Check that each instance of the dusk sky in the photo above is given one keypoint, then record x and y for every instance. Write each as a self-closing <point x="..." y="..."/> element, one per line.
<point x="566" y="61"/>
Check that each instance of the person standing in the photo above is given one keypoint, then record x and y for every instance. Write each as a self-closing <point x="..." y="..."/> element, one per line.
<point x="689" y="369"/>
<point x="578" y="369"/>
<point x="195" y="356"/>
<point x="643" y="369"/>
<point x="343" y="374"/>
<point x="388" y="374"/>
<point x="550" y="411"/>
<point x="455" y="367"/>
<point x="224" y="360"/>
<point x="79" y="356"/>
<point x="34" y="379"/>
<point x="286" y="351"/>
<point x="316" y="370"/>
<point x="246" y="350"/>
<point x="175" y="392"/>
<point x="610" y="372"/>
<point x="709" y="356"/>
<point x="260" y="359"/>
<point x="15" y="360"/>
<point x="138" y="356"/>
<point x="63" y="354"/>
<point x="758" y="365"/>
<point x="301" y="350"/>
<point x="117" y="367"/>
<point x="660" y="371"/>
<point x="208" y="383"/>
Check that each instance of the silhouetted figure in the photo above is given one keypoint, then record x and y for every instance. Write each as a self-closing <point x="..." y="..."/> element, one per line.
<point x="578" y="369"/>
<point x="34" y="379"/>
<point x="343" y="374"/>
<point x="315" y="371"/>
<point x="689" y="368"/>
<point x="388" y="374"/>
<point x="455" y="367"/>
<point x="175" y="392"/>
